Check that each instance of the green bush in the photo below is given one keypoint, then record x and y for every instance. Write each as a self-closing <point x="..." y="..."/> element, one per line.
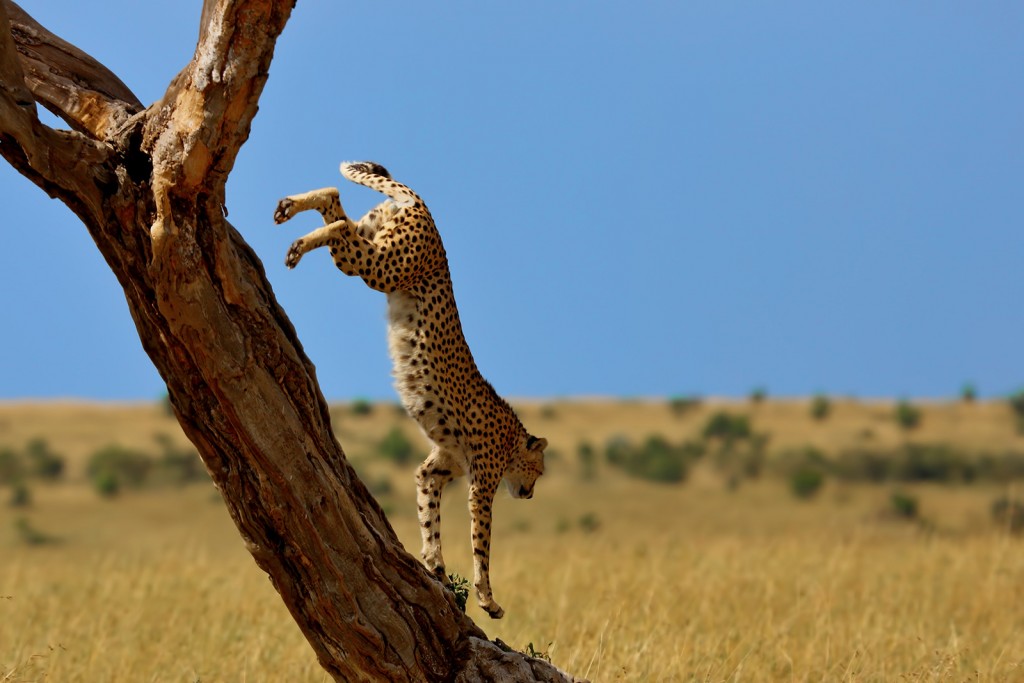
<point x="379" y="486"/>
<point x="589" y="522"/>
<point x="968" y="393"/>
<point x="29" y="535"/>
<point x="107" y="484"/>
<point x="727" y="427"/>
<point x="588" y="461"/>
<point x="745" y="460"/>
<point x="821" y="407"/>
<point x="1016" y="402"/>
<point x="1001" y="468"/>
<point x="903" y="505"/>
<point x="21" y="495"/>
<point x="42" y="461"/>
<point x="396" y="447"/>
<point x="459" y="587"/>
<point x="618" y="450"/>
<point x="758" y="395"/>
<point x="863" y="465"/>
<point x="129" y="467"/>
<point x="12" y="467"/>
<point x="177" y="464"/>
<point x="907" y="415"/>
<point x="806" y="481"/>
<point x="931" y="462"/>
<point x="361" y="406"/>
<point x="657" y="460"/>
<point x="680" y="404"/>
<point x="803" y="468"/>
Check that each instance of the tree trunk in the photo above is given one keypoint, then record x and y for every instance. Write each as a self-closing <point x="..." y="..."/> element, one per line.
<point x="148" y="183"/>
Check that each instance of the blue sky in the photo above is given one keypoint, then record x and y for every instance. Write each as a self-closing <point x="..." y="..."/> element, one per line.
<point x="637" y="199"/>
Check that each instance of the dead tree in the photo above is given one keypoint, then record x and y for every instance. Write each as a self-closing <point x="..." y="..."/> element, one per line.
<point x="148" y="183"/>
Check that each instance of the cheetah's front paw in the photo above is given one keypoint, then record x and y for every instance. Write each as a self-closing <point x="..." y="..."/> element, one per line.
<point x="284" y="211"/>
<point x="295" y="253"/>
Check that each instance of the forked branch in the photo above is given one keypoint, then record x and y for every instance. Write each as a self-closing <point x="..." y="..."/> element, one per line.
<point x="67" y="81"/>
<point x="65" y="164"/>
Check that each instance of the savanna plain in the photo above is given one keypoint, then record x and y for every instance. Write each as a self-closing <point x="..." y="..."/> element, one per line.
<point x="670" y="540"/>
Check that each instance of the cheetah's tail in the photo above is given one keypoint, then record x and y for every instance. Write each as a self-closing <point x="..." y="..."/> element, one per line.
<point x="376" y="177"/>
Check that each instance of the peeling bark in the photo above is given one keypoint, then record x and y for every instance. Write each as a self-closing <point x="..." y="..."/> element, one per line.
<point x="148" y="184"/>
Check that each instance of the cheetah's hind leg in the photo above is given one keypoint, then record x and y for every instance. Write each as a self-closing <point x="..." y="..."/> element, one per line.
<point x="431" y="478"/>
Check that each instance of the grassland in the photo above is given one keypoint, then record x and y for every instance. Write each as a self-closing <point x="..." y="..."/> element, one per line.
<point x="616" y="579"/>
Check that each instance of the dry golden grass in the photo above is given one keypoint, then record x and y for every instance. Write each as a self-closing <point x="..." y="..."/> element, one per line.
<point x="676" y="583"/>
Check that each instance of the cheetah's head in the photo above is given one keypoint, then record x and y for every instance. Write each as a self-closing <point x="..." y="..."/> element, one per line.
<point x="527" y="464"/>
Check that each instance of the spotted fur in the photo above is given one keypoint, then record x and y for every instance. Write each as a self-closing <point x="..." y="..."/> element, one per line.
<point x="396" y="249"/>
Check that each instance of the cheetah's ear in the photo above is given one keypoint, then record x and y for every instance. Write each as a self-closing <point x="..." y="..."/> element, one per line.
<point x="535" y="444"/>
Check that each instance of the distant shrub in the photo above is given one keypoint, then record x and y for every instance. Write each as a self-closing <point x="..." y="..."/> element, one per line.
<point x="821" y="407"/>
<point x="548" y="411"/>
<point x="931" y="462"/>
<point x="1016" y="402"/>
<point x="588" y="461"/>
<point x="968" y="393"/>
<point x="42" y="461"/>
<point x="923" y="462"/>
<point x="1008" y="514"/>
<point x="29" y="535"/>
<point x="177" y="464"/>
<point x="903" y="505"/>
<point x="863" y="465"/>
<point x="907" y="415"/>
<point x="12" y="467"/>
<point x="758" y="395"/>
<point x="129" y="467"/>
<point x="657" y="460"/>
<point x="617" y="450"/>
<point x="396" y="447"/>
<point x="741" y="460"/>
<point x="727" y="427"/>
<point x="21" y="495"/>
<point x="361" y="406"/>
<point x="589" y="522"/>
<point x="1000" y="468"/>
<point x="680" y="404"/>
<point x="661" y="461"/>
<point x="379" y="486"/>
<point x="803" y="468"/>
<point x="806" y="481"/>
<point x="107" y="484"/>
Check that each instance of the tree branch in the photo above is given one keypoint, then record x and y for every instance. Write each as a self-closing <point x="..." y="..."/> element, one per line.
<point x="65" y="164"/>
<point x="67" y="81"/>
<point x="227" y="73"/>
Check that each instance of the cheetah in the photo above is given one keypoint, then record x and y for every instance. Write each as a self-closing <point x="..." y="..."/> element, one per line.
<point x="396" y="249"/>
